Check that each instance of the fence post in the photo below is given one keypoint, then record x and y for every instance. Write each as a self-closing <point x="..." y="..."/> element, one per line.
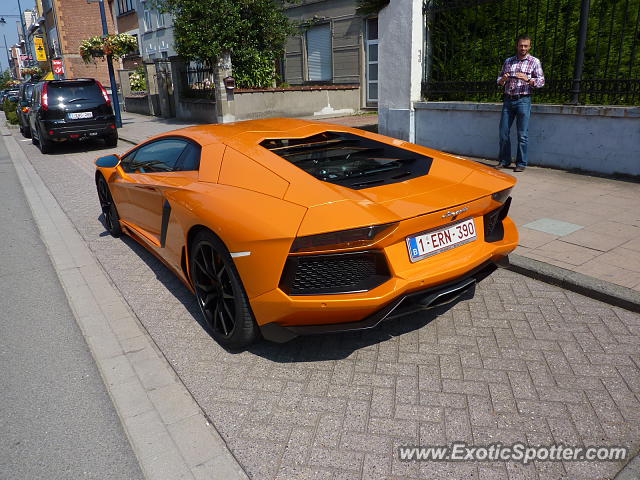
<point x="582" y="43"/>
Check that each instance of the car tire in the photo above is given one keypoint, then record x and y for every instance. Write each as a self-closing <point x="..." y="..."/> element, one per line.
<point x="220" y="293"/>
<point x="111" y="217"/>
<point x="111" y="140"/>
<point x="44" y="145"/>
<point x="26" y="132"/>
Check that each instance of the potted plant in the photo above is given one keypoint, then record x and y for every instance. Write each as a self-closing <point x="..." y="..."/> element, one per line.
<point x="117" y="45"/>
<point x="34" y="72"/>
<point x="120" y="44"/>
<point x="91" y="48"/>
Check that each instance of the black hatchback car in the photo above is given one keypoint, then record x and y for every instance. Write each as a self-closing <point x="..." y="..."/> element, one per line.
<point x="67" y="110"/>
<point x="24" y="105"/>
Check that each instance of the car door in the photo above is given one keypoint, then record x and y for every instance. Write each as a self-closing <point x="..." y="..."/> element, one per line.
<point x="35" y="106"/>
<point x="146" y="174"/>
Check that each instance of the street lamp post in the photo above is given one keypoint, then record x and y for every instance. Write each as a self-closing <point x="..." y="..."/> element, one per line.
<point x="7" y="49"/>
<point x="24" y="33"/>
<point x="112" y="77"/>
<point x="24" y="30"/>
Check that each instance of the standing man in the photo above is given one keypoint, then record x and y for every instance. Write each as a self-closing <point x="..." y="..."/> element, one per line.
<point x="520" y="75"/>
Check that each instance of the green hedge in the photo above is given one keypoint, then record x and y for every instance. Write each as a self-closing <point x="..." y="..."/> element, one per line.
<point x="10" y="112"/>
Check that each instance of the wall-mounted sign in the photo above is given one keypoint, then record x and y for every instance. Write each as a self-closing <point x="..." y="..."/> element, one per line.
<point x="41" y="52"/>
<point x="58" y="69"/>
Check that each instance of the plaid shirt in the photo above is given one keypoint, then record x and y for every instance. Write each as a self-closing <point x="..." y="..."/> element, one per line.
<point x="529" y="65"/>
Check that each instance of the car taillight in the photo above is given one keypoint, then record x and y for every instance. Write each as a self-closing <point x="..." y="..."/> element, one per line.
<point x="45" y="99"/>
<point x="502" y="196"/>
<point x="25" y="109"/>
<point x="104" y="93"/>
<point x="344" y="239"/>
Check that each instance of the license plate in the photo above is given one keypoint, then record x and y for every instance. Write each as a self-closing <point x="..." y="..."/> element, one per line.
<point x="93" y="134"/>
<point x="430" y="243"/>
<point x="77" y="115"/>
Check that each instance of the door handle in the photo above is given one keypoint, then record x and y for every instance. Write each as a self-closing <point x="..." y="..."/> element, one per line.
<point x="147" y="187"/>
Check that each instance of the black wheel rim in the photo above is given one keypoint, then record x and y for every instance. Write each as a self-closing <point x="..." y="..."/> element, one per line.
<point x="106" y="203"/>
<point x="214" y="290"/>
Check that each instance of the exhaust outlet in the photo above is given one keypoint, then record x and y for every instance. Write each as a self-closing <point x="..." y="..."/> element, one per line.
<point x="447" y="295"/>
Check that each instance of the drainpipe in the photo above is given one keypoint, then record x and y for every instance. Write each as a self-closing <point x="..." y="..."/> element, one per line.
<point x="582" y="42"/>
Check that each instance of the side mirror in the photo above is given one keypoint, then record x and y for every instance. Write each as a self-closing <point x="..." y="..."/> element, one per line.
<point x="108" y="161"/>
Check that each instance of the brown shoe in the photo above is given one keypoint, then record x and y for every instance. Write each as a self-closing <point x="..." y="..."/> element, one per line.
<point x="519" y="169"/>
<point x="500" y="166"/>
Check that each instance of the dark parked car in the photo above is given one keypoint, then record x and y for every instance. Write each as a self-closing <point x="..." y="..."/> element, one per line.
<point x="24" y="105"/>
<point x="67" y="110"/>
<point x="10" y="94"/>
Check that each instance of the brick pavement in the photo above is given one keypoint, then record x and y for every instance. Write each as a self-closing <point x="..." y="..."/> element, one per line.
<point x="520" y="361"/>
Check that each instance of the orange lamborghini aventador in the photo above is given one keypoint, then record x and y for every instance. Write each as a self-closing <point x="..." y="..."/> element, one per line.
<point x="285" y="227"/>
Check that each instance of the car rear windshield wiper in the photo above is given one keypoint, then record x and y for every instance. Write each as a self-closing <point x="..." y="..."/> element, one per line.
<point x="76" y="99"/>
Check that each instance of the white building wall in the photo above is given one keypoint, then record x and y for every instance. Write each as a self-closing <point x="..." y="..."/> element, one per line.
<point x="400" y="28"/>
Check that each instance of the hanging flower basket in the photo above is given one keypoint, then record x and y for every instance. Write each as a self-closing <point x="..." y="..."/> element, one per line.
<point x="120" y="44"/>
<point x="117" y="45"/>
<point x="91" y="48"/>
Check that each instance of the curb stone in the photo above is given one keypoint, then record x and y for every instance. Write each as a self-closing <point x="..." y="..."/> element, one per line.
<point x="576" y="282"/>
<point x="156" y="409"/>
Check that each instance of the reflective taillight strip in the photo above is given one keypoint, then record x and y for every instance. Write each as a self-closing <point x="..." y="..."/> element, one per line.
<point x="45" y="99"/>
<point x="104" y="93"/>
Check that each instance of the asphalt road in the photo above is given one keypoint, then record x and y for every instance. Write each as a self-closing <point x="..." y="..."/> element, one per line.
<point x="56" y="417"/>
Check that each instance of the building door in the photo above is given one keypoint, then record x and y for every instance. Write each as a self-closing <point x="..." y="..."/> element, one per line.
<point x="165" y="87"/>
<point x="371" y="48"/>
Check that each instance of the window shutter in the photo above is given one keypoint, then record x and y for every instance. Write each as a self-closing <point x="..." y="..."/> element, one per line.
<point x="319" y="53"/>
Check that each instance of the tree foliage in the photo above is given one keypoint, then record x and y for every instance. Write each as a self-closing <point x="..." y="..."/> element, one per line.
<point x="5" y="79"/>
<point x="471" y="38"/>
<point x="371" y="7"/>
<point x="253" y="31"/>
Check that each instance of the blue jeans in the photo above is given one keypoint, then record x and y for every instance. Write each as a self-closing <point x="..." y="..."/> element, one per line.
<point x="520" y="110"/>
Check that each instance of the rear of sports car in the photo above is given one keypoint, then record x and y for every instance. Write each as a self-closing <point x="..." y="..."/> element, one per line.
<point x="404" y="228"/>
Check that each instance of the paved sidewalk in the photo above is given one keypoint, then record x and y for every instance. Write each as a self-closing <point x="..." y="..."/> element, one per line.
<point x="169" y="433"/>
<point x="579" y="231"/>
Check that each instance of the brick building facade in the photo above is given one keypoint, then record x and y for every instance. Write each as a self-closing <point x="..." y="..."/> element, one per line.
<point x="73" y="21"/>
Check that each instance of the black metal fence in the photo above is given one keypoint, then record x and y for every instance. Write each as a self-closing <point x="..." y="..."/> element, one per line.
<point x="198" y="82"/>
<point x="589" y="49"/>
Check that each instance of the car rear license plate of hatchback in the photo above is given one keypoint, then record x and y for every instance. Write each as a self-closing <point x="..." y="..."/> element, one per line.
<point x="432" y="242"/>
<point x="77" y="115"/>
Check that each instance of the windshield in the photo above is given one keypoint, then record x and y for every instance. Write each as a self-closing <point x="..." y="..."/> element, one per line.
<point x="66" y="92"/>
<point x="350" y="160"/>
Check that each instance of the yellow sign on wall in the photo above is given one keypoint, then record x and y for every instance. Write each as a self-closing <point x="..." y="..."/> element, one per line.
<point x="41" y="52"/>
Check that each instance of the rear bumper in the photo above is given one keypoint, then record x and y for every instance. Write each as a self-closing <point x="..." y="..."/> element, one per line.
<point x="402" y="305"/>
<point x="65" y="131"/>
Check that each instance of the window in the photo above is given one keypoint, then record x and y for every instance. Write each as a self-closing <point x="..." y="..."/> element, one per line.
<point x="160" y="19"/>
<point x="54" y="48"/>
<point x="319" y="53"/>
<point x="371" y="46"/>
<point x="350" y="160"/>
<point x="190" y="158"/>
<point x="66" y="91"/>
<point x="160" y="156"/>
<point x="125" y="6"/>
<point x="147" y="20"/>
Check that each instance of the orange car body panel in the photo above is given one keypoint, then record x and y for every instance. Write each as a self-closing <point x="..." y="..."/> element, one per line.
<point x="257" y="203"/>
